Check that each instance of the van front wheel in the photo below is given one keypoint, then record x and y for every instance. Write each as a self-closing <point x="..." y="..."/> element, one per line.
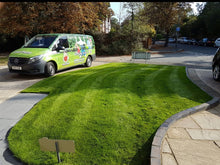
<point x="88" y="61"/>
<point x="50" y="69"/>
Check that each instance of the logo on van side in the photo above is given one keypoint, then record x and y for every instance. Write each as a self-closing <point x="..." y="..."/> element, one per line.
<point x="65" y="58"/>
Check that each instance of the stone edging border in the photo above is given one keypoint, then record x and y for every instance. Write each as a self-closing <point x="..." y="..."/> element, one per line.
<point x="161" y="132"/>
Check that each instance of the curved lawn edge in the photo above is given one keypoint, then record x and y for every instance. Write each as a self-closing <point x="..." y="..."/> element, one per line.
<point x="156" y="147"/>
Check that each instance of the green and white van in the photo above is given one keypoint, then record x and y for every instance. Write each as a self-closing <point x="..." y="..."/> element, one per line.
<point x="49" y="53"/>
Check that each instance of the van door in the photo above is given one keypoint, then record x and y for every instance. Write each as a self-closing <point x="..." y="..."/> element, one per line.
<point x="80" y="47"/>
<point x="63" y="56"/>
<point x="74" y="49"/>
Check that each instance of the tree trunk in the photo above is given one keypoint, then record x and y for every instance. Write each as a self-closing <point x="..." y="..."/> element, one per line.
<point x="166" y="40"/>
<point x="149" y="42"/>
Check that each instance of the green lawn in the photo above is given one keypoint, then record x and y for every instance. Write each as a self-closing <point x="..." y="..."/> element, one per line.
<point x="110" y="111"/>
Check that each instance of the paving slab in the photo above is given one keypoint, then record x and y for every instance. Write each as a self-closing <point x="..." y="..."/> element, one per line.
<point x="194" y="152"/>
<point x="202" y="134"/>
<point x="178" y="133"/>
<point x="217" y="143"/>
<point x="186" y="122"/>
<point x="166" y="147"/>
<point x="207" y="120"/>
<point x="168" y="159"/>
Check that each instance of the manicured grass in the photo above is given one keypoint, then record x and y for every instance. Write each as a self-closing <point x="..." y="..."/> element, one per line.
<point x="110" y="111"/>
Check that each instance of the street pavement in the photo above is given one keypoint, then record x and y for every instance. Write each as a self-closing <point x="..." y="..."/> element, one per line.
<point x="11" y="111"/>
<point x="190" y="141"/>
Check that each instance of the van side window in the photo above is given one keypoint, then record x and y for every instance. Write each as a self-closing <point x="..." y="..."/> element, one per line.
<point x="63" y="42"/>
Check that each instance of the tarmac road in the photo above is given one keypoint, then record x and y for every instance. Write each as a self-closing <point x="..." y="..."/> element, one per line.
<point x="12" y="83"/>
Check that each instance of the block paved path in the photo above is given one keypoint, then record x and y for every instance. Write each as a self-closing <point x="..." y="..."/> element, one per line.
<point x="193" y="140"/>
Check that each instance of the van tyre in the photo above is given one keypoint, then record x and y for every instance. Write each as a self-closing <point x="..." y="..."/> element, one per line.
<point x="216" y="73"/>
<point x="88" y="61"/>
<point x="50" y="69"/>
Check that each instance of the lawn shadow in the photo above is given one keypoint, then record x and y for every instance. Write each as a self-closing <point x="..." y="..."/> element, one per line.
<point x="142" y="157"/>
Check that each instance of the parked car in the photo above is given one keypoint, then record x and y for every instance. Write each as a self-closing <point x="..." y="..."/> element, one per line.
<point x="216" y="65"/>
<point x="183" y="40"/>
<point x="217" y="42"/>
<point x="206" y="42"/>
<point x="189" y="41"/>
<point x="171" y="40"/>
<point x="192" y="41"/>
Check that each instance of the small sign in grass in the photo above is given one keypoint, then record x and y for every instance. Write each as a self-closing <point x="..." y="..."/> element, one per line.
<point x="111" y="111"/>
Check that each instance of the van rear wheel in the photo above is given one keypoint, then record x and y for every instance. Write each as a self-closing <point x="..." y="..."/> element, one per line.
<point x="88" y="61"/>
<point x="50" y="69"/>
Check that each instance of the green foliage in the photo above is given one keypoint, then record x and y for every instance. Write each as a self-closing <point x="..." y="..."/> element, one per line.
<point x="122" y="40"/>
<point x="113" y="43"/>
<point x="187" y="29"/>
<point x="110" y="111"/>
<point x="8" y="43"/>
<point x="206" y="24"/>
<point x="30" y="18"/>
<point x="116" y="43"/>
<point x="159" y="36"/>
<point x="18" y="19"/>
<point x="165" y="15"/>
<point x="210" y="16"/>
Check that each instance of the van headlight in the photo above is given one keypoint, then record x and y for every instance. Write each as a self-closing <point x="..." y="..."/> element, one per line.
<point x="35" y="59"/>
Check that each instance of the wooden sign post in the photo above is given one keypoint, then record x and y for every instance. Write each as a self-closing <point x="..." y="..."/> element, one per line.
<point x="57" y="146"/>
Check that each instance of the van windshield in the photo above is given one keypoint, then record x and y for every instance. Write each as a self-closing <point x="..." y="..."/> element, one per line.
<point x="40" y="42"/>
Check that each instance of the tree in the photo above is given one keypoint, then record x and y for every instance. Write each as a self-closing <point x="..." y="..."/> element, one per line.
<point x="210" y="18"/>
<point x="115" y="25"/>
<point x="165" y="15"/>
<point x="187" y="28"/>
<point x="28" y="18"/>
<point x="132" y="9"/>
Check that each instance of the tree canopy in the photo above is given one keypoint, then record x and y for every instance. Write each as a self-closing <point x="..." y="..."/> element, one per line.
<point x="206" y="24"/>
<point x="165" y="15"/>
<point x="26" y="18"/>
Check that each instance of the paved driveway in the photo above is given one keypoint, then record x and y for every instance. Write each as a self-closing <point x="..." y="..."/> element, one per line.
<point x="12" y="83"/>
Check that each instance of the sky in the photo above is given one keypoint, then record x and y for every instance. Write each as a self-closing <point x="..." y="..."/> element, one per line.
<point x="116" y="8"/>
